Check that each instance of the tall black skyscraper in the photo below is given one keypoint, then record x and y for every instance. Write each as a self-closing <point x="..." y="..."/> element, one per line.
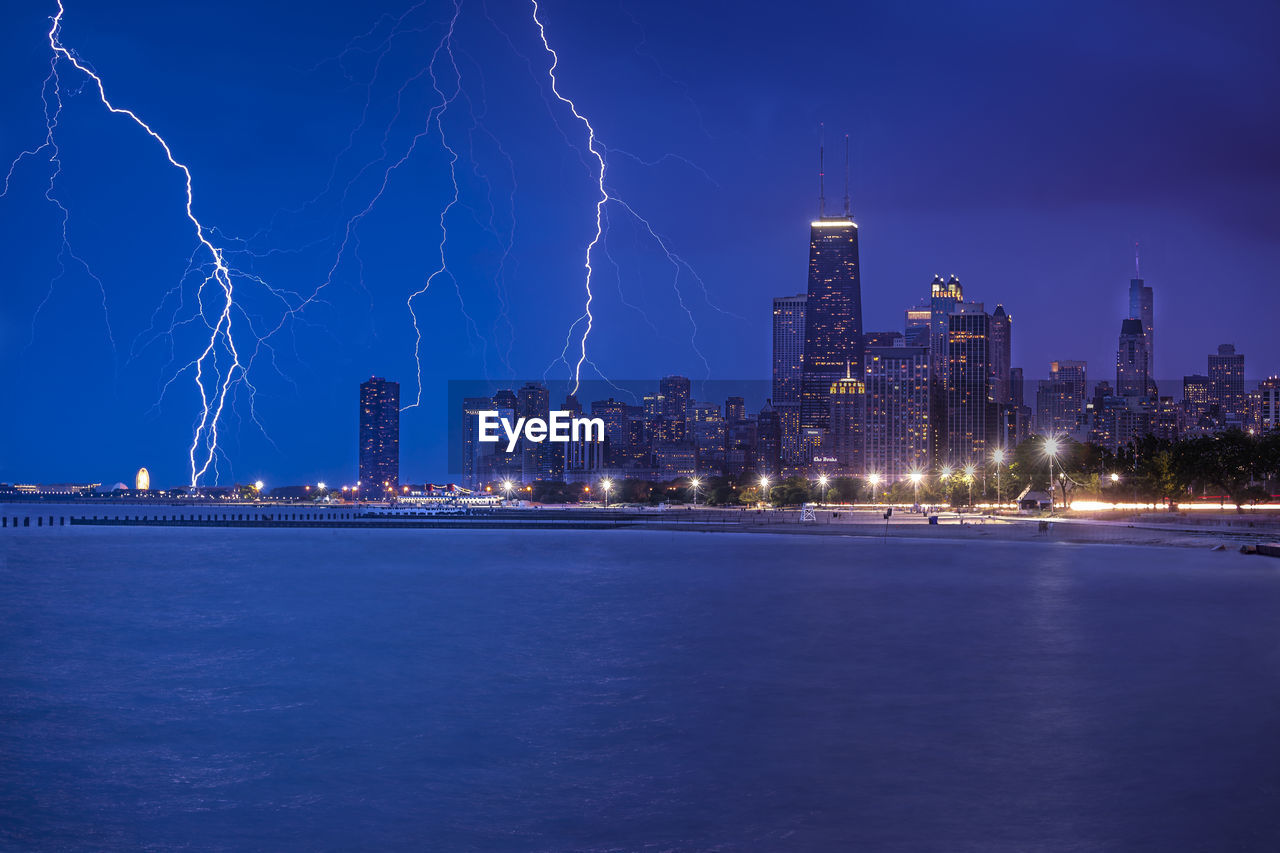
<point x="379" y="438"/>
<point x="833" y="310"/>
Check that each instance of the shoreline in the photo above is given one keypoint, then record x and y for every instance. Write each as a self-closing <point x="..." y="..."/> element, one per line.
<point x="49" y="519"/>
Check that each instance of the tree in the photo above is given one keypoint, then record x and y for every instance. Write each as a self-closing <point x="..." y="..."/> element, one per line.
<point x="1229" y="461"/>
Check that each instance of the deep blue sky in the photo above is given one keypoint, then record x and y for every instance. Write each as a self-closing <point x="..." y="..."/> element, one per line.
<point x="1023" y="147"/>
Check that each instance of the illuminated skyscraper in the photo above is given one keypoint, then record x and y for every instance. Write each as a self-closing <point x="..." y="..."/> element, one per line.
<point x="833" y="316"/>
<point x="1196" y="397"/>
<point x="1061" y="399"/>
<point x="788" y="347"/>
<point x="675" y="394"/>
<point x="1226" y="382"/>
<point x="1001" y="355"/>
<point x="971" y="413"/>
<point x="536" y="462"/>
<point x="897" y="410"/>
<point x="916" y="326"/>
<point x="1268" y="410"/>
<point x="944" y="296"/>
<point x="379" y="451"/>
<point x="846" y="433"/>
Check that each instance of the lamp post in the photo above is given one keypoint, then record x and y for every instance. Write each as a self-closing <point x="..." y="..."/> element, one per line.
<point x="764" y="489"/>
<point x="822" y="487"/>
<point x="969" y="471"/>
<point x="694" y="484"/>
<point x="874" y="479"/>
<point x="507" y="485"/>
<point x="606" y="485"/>
<point x="916" y="476"/>
<point x="998" y="457"/>
<point x="1051" y="450"/>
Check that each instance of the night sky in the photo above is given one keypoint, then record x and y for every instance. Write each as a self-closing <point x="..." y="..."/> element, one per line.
<point x="1023" y="147"/>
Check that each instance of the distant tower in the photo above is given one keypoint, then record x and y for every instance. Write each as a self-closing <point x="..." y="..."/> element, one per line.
<point x="142" y="482"/>
<point x="1142" y="308"/>
<point x="833" y="312"/>
<point x="1001" y="355"/>
<point x="379" y="450"/>
<point x="1133" y="362"/>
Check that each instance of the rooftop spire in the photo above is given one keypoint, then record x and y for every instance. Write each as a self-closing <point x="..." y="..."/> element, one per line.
<point x="1137" y="267"/>
<point x="822" y="144"/>
<point x="846" y="176"/>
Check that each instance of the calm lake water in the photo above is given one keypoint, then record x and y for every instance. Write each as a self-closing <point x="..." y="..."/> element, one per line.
<point x="341" y="690"/>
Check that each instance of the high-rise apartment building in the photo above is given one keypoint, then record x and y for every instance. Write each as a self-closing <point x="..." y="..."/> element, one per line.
<point x="379" y="450"/>
<point x="1061" y="399"/>
<point x="1226" y="382"/>
<point x="897" y="410"/>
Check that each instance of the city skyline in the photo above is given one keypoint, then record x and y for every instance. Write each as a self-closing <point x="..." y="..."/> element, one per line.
<point x="1000" y="216"/>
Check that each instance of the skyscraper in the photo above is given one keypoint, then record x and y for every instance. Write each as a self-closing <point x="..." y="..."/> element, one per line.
<point x="1226" y="382"/>
<point x="846" y="430"/>
<point x="474" y="450"/>
<point x="1142" y="308"/>
<point x="1268" y="413"/>
<point x="675" y="394"/>
<point x="833" y="315"/>
<point x="916" y="325"/>
<point x="1061" y="399"/>
<point x="971" y="413"/>
<point x="1197" y="397"/>
<point x="897" y="410"/>
<point x="1001" y="355"/>
<point x="379" y="450"/>
<point x="944" y="296"/>
<point x="1133" y="363"/>
<point x="534" y="401"/>
<point x="788" y="347"/>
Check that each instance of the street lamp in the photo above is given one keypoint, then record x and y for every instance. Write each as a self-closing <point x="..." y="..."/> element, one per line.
<point x="998" y="458"/>
<point x="694" y="483"/>
<point x="1051" y="450"/>
<point x="507" y="485"/>
<point x="606" y="485"/>
<point x="916" y="476"/>
<point x="969" y="471"/>
<point x="874" y="479"/>
<point x="764" y="489"/>
<point x="823" y="479"/>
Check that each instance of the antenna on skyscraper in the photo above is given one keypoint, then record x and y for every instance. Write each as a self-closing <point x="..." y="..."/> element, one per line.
<point x="822" y="143"/>
<point x="846" y="176"/>
<point x="1137" y="267"/>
